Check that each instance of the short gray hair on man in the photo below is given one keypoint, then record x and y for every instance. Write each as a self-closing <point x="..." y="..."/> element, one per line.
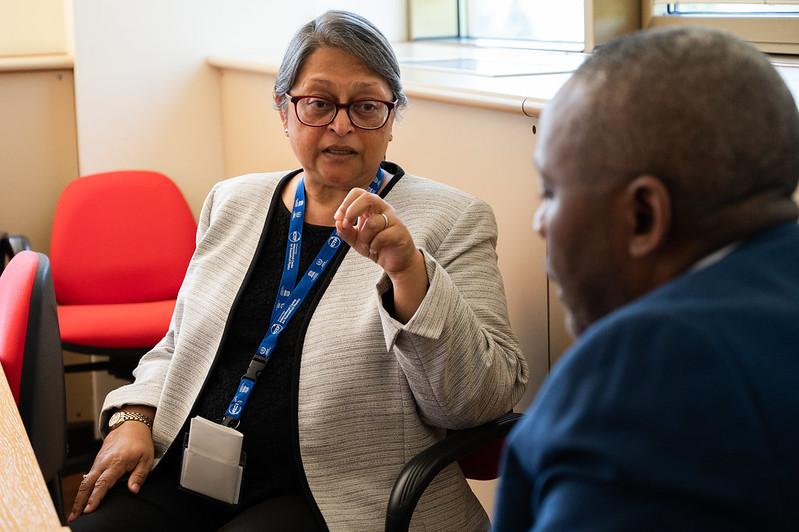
<point x="698" y="108"/>
<point x="346" y="31"/>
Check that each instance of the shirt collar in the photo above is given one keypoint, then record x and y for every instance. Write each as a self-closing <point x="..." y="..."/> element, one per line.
<point x="714" y="257"/>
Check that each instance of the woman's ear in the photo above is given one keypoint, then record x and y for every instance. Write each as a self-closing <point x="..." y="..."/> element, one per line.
<point x="649" y="206"/>
<point x="284" y="117"/>
<point x="389" y="127"/>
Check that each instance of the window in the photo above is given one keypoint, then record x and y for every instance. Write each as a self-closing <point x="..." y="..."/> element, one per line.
<point x="771" y="25"/>
<point x="761" y="8"/>
<point x="546" y="24"/>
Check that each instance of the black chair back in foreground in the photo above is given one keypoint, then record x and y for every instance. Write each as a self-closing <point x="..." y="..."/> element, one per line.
<point x="30" y="352"/>
<point x="476" y="449"/>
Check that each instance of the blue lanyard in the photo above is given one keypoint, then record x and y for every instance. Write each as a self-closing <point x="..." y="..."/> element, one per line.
<point x="290" y="295"/>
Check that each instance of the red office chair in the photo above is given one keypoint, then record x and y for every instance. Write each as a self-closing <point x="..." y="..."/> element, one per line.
<point x="477" y="452"/>
<point x="30" y="353"/>
<point x="120" y="246"/>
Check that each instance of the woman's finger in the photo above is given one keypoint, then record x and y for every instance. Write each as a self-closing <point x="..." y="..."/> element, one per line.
<point x="84" y="490"/>
<point x="104" y="482"/>
<point x="139" y="475"/>
<point x="360" y="236"/>
<point x="351" y="197"/>
<point x="347" y="232"/>
<point x="401" y="246"/>
<point x="364" y="204"/>
<point x="375" y="224"/>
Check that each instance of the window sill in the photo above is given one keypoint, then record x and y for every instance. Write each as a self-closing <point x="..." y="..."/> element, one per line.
<point x="430" y="72"/>
<point x="508" y="80"/>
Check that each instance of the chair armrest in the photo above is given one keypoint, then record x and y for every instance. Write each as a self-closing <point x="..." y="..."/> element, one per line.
<point x="18" y="243"/>
<point x="10" y="245"/>
<point x="422" y="468"/>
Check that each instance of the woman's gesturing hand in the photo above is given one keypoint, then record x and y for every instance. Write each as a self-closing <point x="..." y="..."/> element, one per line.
<point x="126" y="449"/>
<point x="371" y="227"/>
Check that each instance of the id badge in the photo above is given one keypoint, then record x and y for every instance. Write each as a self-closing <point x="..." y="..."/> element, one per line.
<point x="213" y="462"/>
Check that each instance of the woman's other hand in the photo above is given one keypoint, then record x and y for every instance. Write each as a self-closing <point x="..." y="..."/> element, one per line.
<point x="371" y="227"/>
<point x="126" y="449"/>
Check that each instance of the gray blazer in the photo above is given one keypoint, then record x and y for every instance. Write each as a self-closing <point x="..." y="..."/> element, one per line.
<point x="373" y="392"/>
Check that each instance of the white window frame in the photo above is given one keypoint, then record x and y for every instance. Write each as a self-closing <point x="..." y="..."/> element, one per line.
<point x="771" y="34"/>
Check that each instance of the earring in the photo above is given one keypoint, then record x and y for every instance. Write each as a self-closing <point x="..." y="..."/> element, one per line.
<point x="390" y="137"/>
<point x="286" y="132"/>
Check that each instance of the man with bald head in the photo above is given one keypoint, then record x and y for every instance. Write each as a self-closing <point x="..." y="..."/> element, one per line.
<point x="668" y="164"/>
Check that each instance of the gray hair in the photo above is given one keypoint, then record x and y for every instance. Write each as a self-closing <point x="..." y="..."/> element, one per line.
<point x="346" y="31"/>
<point x="700" y="109"/>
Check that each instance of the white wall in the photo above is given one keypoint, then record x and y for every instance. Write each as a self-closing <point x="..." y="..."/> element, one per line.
<point x="268" y="24"/>
<point x="145" y="97"/>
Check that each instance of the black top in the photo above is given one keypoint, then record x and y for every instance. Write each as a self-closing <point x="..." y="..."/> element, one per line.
<point x="273" y="466"/>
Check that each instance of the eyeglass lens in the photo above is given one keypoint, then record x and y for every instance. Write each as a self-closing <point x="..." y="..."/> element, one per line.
<point x="368" y="114"/>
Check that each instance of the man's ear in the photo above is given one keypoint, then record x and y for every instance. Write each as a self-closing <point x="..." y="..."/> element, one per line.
<point x="649" y="207"/>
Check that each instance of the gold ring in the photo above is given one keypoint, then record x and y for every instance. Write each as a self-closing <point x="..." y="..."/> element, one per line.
<point x="385" y="219"/>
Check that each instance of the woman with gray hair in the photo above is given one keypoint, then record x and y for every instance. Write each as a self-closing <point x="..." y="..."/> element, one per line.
<point x="329" y="380"/>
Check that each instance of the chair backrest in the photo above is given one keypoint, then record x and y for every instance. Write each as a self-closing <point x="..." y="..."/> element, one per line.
<point x="121" y="237"/>
<point x="30" y="352"/>
<point x="16" y="285"/>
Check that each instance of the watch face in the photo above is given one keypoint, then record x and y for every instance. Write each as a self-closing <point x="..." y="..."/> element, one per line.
<point x="115" y="418"/>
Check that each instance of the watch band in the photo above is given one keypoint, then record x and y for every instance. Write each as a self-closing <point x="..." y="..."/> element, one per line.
<point x="120" y="417"/>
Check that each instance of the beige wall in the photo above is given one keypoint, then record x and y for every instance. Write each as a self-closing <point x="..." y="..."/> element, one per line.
<point x="38" y="157"/>
<point x="32" y="27"/>
<point x="38" y="152"/>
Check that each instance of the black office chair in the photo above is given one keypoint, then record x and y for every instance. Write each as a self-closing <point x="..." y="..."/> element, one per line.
<point x="477" y="451"/>
<point x="10" y="245"/>
<point x="30" y="353"/>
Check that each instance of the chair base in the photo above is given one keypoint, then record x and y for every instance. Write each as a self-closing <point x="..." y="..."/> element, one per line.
<point x="82" y="448"/>
<point x="120" y="363"/>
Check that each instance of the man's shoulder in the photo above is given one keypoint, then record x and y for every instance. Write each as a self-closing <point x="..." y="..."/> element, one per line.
<point x="759" y="277"/>
<point x="701" y="328"/>
<point x="619" y="362"/>
<point x="651" y="325"/>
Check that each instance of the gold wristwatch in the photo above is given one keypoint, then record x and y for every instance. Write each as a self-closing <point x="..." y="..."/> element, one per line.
<point x="120" y="416"/>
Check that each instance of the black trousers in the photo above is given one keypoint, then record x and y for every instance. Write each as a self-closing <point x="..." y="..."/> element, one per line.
<point x="162" y="505"/>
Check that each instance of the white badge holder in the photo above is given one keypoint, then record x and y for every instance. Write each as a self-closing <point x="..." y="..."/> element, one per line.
<point x="213" y="463"/>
